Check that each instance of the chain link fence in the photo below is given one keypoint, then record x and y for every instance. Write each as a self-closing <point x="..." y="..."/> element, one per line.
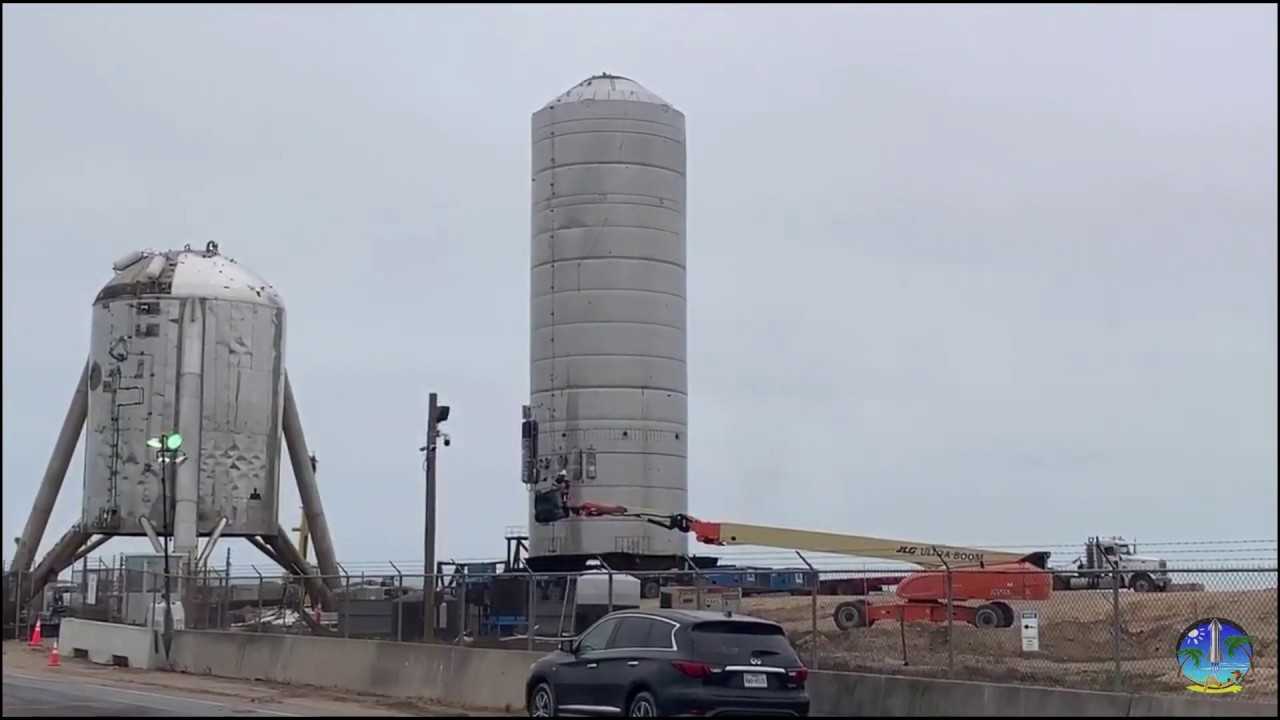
<point x="1091" y="631"/>
<point x="1101" y="635"/>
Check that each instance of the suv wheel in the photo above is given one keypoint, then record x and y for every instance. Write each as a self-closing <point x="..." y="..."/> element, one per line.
<point x="642" y="705"/>
<point x="542" y="701"/>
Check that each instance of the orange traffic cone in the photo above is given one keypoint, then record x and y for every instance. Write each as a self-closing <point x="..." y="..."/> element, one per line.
<point x="37" y="640"/>
<point x="55" y="660"/>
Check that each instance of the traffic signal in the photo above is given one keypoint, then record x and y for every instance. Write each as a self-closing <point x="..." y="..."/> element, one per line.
<point x="166" y="442"/>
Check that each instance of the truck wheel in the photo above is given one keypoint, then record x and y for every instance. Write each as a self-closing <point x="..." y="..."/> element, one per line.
<point x="987" y="617"/>
<point x="1142" y="583"/>
<point x="651" y="589"/>
<point x="851" y="615"/>
<point x="1006" y="613"/>
<point x="1061" y="582"/>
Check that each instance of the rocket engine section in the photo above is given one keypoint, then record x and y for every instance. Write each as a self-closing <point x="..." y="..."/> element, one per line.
<point x="184" y="341"/>
<point x="608" y="409"/>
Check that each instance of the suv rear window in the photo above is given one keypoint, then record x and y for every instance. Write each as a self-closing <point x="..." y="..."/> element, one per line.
<point x="735" y="643"/>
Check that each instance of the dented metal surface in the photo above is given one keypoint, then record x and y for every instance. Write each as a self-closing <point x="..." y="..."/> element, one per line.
<point x="607" y="352"/>
<point x="228" y="404"/>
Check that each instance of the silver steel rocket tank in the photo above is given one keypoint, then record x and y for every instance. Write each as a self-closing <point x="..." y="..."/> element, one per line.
<point x="193" y="342"/>
<point x="608" y="373"/>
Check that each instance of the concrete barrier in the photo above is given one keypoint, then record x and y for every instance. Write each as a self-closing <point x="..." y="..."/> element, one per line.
<point x="856" y="694"/>
<point x="465" y="677"/>
<point x="494" y="680"/>
<point x="886" y="695"/>
<point x="1157" y="706"/>
<point x="111" y="644"/>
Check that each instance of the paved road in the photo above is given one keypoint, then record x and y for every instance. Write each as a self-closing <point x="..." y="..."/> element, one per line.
<point x="37" y="697"/>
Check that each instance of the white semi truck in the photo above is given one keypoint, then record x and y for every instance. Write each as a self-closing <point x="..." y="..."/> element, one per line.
<point x="1108" y="558"/>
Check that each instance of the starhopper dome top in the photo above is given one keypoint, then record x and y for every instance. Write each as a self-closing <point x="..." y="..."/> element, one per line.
<point x="608" y="87"/>
<point x="187" y="273"/>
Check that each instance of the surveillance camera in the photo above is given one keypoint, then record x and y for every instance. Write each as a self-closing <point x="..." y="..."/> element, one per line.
<point x="446" y="441"/>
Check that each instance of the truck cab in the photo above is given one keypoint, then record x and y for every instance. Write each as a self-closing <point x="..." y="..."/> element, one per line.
<point x="1137" y="572"/>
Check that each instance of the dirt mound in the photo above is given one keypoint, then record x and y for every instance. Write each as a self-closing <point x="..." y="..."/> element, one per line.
<point x="1076" y="639"/>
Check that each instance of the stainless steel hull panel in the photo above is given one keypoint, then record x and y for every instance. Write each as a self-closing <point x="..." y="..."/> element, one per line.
<point x="608" y="375"/>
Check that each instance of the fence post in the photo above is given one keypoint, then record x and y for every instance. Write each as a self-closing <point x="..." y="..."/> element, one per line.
<point x="207" y="594"/>
<point x="951" y="650"/>
<point x="151" y="611"/>
<point x="431" y="583"/>
<point x="282" y="611"/>
<point x="112" y="615"/>
<point x="223" y="622"/>
<point x="17" y="608"/>
<point x="813" y="619"/>
<point x="530" y="612"/>
<point x="297" y="624"/>
<point x="1115" y="624"/>
<point x="226" y="593"/>
<point x="118" y="590"/>
<point x="697" y="578"/>
<point x="210" y="604"/>
<point x="564" y="606"/>
<point x="573" y="614"/>
<point x="346" y="607"/>
<point x="902" y="625"/>
<point x="400" y="603"/>
<point x="119" y="585"/>
<point x="84" y="582"/>
<point x="258" y="622"/>
<point x="465" y="620"/>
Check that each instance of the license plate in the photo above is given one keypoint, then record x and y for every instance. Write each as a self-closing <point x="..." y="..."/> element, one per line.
<point x="755" y="680"/>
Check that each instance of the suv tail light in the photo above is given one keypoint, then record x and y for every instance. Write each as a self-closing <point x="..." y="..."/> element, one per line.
<point x="695" y="670"/>
<point x="798" y="676"/>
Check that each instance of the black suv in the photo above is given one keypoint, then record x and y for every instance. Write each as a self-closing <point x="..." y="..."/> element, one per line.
<point x="653" y="663"/>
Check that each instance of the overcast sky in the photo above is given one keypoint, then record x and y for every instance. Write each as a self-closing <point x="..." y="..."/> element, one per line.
<point x="956" y="274"/>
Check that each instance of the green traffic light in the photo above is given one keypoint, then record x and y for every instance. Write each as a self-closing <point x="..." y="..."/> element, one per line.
<point x="154" y="443"/>
<point x="173" y="442"/>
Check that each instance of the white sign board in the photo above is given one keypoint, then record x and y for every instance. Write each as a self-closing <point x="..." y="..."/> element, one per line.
<point x="1030" y="631"/>
<point x="91" y="597"/>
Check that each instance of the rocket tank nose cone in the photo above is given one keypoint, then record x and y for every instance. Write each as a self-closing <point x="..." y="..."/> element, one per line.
<point x="606" y="86"/>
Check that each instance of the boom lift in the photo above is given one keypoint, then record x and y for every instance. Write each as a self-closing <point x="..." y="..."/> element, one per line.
<point x="994" y="577"/>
